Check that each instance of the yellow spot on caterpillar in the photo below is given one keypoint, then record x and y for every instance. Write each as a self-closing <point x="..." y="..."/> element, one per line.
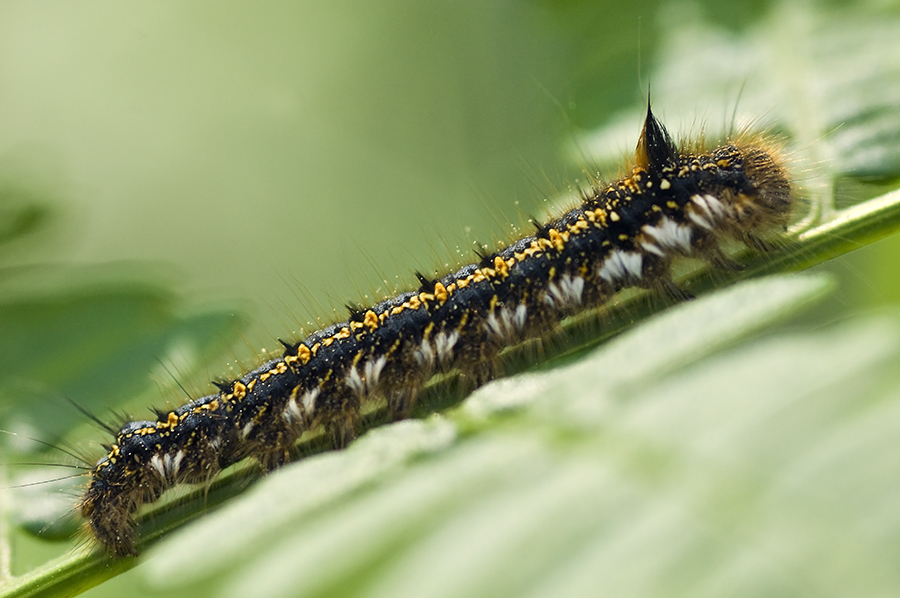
<point x="614" y="216"/>
<point x="500" y="267"/>
<point x="279" y="368"/>
<point x="671" y="205"/>
<point x="440" y="292"/>
<point x="171" y="421"/>
<point x="304" y="354"/>
<point x="370" y="320"/>
<point x="665" y="184"/>
<point x="579" y="226"/>
<point x="556" y="239"/>
<point x="239" y="391"/>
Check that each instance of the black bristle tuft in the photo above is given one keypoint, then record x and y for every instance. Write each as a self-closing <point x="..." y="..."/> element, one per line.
<point x="655" y="148"/>
<point x="485" y="258"/>
<point x="426" y="285"/>
<point x="223" y="386"/>
<point x="289" y="346"/>
<point x="356" y="311"/>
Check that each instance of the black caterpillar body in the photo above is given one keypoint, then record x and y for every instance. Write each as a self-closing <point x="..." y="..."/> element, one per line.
<point x="675" y="203"/>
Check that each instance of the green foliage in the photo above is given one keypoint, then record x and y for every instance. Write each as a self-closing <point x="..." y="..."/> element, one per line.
<point x="741" y="444"/>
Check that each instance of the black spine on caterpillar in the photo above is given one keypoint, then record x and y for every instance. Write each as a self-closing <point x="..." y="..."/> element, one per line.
<point x="674" y="203"/>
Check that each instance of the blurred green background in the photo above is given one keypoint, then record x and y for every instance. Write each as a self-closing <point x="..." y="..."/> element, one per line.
<point x="188" y="181"/>
<point x="273" y="161"/>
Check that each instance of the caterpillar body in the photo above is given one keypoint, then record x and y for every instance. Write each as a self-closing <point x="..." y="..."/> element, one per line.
<point x="676" y="202"/>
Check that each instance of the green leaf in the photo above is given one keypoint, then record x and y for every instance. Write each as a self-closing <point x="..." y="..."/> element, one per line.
<point x="696" y="454"/>
<point x="329" y="518"/>
<point x="66" y="345"/>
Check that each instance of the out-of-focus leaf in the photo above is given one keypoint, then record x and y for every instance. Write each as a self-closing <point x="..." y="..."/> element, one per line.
<point x="418" y="485"/>
<point x="680" y="464"/>
<point x="94" y="347"/>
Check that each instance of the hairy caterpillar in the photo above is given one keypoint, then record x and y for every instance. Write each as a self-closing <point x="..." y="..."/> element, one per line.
<point x="676" y="202"/>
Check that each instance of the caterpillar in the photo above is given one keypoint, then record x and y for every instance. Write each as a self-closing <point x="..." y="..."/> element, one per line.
<point x="676" y="202"/>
